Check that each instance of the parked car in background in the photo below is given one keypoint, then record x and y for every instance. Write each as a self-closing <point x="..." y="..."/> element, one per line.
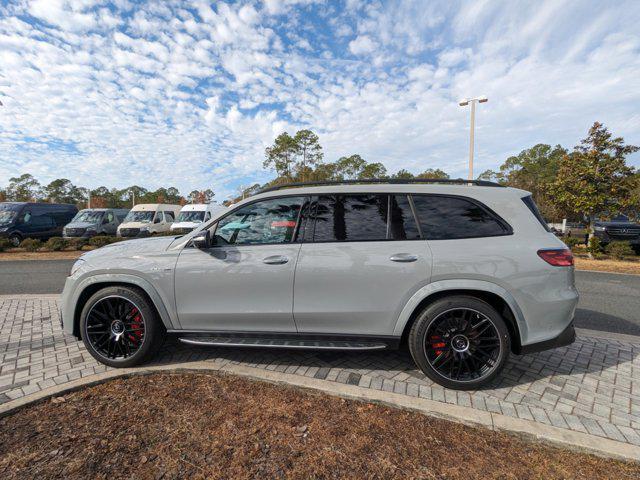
<point x="462" y="274"/>
<point x="618" y="229"/>
<point x="95" y="221"/>
<point x="192" y="215"/>
<point x="20" y="220"/>
<point x="148" y="218"/>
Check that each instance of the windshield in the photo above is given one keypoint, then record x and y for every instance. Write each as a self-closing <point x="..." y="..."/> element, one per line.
<point x="7" y="216"/>
<point x="143" y="217"/>
<point x="88" y="216"/>
<point x="191" y="216"/>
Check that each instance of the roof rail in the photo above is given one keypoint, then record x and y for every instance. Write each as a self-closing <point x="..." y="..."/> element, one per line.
<point x="393" y="181"/>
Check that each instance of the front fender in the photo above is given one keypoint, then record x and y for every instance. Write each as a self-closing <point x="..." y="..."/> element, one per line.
<point x="458" y="284"/>
<point x="72" y="293"/>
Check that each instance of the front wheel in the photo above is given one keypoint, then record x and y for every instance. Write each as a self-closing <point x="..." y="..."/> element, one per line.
<point x="460" y="342"/>
<point x="15" y="239"/>
<point x="120" y="328"/>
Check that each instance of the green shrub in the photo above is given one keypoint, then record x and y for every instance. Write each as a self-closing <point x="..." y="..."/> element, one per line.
<point x="619" y="250"/>
<point x="573" y="242"/>
<point x="100" y="241"/>
<point x="31" y="244"/>
<point x="77" y="243"/>
<point x="56" y="244"/>
<point x="594" y="247"/>
<point x="5" y="244"/>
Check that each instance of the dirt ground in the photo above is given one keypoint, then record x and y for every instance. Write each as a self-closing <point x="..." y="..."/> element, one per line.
<point x="606" y="265"/>
<point x="216" y="426"/>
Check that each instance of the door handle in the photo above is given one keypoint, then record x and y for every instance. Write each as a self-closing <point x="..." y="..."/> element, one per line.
<point x="403" y="257"/>
<point x="275" y="260"/>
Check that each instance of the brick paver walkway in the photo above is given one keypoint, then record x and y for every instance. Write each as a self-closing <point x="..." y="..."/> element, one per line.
<point x="592" y="386"/>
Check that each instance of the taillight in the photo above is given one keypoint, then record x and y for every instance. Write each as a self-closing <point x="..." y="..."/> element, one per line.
<point x="561" y="257"/>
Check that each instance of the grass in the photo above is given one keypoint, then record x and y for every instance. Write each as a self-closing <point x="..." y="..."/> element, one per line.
<point x="218" y="426"/>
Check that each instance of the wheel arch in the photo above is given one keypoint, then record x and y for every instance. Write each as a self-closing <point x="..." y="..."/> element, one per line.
<point x="492" y="294"/>
<point x="150" y="294"/>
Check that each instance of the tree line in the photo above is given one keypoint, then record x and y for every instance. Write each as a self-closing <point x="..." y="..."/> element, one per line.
<point x="26" y="188"/>
<point x="592" y="180"/>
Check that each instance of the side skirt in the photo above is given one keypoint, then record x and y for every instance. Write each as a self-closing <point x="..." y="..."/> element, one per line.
<point x="287" y="340"/>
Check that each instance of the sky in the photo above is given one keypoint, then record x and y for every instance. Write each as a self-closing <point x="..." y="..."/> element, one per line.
<point x="189" y="94"/>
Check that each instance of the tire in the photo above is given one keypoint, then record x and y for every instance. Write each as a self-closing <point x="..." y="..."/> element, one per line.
<point x="120" y="327"/>
<point x="15" y="239"/>
<point x="460" y="342"/>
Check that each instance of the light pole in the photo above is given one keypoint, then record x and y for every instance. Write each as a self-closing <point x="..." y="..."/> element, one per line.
<point x="464" y="103"/>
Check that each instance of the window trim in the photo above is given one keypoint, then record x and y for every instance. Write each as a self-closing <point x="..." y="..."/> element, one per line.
<point x="508" y="229"/>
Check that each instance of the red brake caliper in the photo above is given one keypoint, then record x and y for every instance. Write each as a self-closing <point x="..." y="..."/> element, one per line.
<point x="437" y="343"/>
<point x="137" y="326"/>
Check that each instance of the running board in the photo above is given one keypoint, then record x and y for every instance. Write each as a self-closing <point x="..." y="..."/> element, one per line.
<point x="293" y="343"/>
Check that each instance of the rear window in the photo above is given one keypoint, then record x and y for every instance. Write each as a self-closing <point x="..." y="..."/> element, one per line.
<point x="445" y="218"/>
<point x="531" y="205"/>
<point x="353" y="218"/>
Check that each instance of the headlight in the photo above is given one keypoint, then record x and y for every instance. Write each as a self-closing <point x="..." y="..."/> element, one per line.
<point x="4" y="229"/>
<point x="144" y="229"/>
<point x="76" y="266"/>
<point x="599" y="229"/>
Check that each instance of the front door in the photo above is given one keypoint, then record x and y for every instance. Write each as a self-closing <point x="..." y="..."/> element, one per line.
<point x="244" y="281"/>
<point x="359" y="265"/>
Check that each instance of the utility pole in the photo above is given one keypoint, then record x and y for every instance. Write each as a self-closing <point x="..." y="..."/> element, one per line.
<point x="464" y="103"/>
<point x="133" y="198"/>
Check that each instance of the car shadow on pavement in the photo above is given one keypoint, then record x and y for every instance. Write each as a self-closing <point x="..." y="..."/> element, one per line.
<point x="604" y="322"/>
<point x="587" y="356"/>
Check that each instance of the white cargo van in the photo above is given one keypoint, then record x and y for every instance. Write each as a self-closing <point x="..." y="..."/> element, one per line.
<point x="148" y="218"/>
<point x="194" y="214"/>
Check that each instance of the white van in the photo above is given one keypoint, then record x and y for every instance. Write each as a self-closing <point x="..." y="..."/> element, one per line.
<point x="148" y="218"/>
<point x="194" y="214"/>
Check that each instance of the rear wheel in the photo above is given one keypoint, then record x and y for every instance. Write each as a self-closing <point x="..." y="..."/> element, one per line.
<point x="120" y="327"/>
<point x="460" y="342"/>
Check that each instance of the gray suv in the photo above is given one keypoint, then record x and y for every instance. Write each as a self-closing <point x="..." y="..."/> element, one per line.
<point x="95" y="221"/>
<point x="463" y="273"/>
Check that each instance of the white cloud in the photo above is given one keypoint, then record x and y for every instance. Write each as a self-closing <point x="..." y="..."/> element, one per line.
<point x="192" y="98"/>
<point x="362" y="45"/>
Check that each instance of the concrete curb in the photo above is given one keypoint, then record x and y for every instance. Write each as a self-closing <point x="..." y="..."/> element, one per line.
<point x="29" y="296"/>
<point x="531" y="430"/>
<point x="609" y="273"/>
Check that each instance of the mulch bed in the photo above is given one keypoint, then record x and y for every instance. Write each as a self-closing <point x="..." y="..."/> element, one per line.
<point x="218" y="426"/>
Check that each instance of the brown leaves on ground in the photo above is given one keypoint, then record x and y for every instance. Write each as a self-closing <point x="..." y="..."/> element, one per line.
<point x="213" y="426"/>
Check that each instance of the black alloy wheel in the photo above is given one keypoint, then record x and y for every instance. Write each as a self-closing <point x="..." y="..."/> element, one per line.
<point x="120" y="326"/>
<point x="460" y="342"/>
<point x="115" y="327"/>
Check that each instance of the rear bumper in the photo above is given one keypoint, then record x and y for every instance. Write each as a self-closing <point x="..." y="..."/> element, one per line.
<point x="566" y="337"/>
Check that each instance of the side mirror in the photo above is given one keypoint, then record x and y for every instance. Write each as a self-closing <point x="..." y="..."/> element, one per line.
<point x="202" y="240"/>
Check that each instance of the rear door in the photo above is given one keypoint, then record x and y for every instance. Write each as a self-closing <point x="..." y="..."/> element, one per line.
<point x="362" y="259"/>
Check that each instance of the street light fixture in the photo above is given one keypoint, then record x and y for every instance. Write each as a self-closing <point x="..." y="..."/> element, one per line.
<point x="463" y="103"/>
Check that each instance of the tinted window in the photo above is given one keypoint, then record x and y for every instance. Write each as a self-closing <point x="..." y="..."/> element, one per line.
<point x="403" y="224"/>
<point x="352" y="218"/>
<point x="531" y="205"/>
<point x="168" y="217"/>
<point x="270" y="221"/>
<point x="444" y="217"/>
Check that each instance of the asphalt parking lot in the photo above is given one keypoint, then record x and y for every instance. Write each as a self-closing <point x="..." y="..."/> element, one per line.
<point x="608" y="302"/>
